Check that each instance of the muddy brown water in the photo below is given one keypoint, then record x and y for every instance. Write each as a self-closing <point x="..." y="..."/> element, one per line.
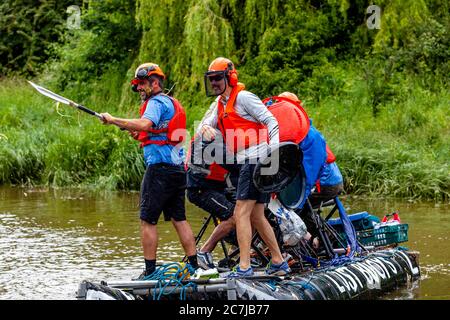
<point x="51" y="240"/>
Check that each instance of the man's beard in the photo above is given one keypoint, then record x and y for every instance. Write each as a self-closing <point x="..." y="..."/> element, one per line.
<point x="145" y="95"/>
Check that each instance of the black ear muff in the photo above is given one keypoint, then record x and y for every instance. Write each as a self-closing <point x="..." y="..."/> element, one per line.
<point x="134" y="87"/>
<point x="232" y="75"/>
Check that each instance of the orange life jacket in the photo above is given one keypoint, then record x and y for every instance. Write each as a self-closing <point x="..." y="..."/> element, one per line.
<point x="293" y="121"/>
<point x="245" y="133"/>
<point x="174" y="132"/>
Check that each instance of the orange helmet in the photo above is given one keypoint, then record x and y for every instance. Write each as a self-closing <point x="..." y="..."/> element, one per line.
<point x="291" y="96"/>
<point x="220" y="64"/>
<point x="219" y="69"/>
<point x="144" y="71"/>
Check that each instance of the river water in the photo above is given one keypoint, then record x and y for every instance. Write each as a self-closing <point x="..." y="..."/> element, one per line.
<point x="51" y="240"/>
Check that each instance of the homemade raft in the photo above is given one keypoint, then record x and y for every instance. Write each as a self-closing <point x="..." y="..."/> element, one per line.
<point x="358" y="256"/>
<point x="364" y="277"/>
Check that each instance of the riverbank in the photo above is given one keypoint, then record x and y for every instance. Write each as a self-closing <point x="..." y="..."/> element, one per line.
<point x="402" y="152"/>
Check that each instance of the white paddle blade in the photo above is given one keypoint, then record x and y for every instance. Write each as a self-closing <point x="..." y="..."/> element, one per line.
<point x="51" y="95"/>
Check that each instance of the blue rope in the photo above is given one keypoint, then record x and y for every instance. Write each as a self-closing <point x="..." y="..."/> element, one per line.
<point x="171" y="276"/>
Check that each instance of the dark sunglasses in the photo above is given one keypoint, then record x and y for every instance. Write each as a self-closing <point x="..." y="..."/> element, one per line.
<point x="217" y="77"/>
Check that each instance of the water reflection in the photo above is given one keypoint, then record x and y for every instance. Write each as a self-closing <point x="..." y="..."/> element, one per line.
<point x="51" y="240"/>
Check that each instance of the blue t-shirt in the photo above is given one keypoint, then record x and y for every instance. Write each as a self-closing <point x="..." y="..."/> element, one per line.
<point x="160" y="111"/>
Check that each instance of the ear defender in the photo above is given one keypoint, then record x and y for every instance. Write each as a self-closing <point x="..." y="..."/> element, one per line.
<point x="232" y="75"/>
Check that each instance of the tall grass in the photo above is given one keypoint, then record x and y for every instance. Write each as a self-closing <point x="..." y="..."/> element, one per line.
<point x="400" y="151"/>
<point x="41" y="144"/>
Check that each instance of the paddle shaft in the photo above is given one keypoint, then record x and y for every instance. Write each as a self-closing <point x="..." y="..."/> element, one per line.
<point x="91" y="112"/>
<point x="87" y="110"/>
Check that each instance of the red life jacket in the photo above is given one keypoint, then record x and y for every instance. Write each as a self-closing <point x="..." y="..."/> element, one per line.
<point x="217" y="173"/>
<point x="246" y="133"/>
<point x="330" y="155"/>
<point x="175" y="131"/>
<point x="293" y="121"/>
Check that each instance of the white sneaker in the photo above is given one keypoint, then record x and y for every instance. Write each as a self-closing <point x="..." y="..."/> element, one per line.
<point x="205" y="260"/>
<point x="205" y="274"/>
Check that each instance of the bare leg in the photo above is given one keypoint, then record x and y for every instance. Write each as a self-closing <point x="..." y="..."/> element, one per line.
<point x="242" y="214"/>
<point x="186" y="236"/>
<point x="265" y="230"/>
<point x="149" y="240"/>
<point x="218" y="233"/>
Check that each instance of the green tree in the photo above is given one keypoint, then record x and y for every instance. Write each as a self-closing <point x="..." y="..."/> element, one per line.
<point x="27" y="31"/>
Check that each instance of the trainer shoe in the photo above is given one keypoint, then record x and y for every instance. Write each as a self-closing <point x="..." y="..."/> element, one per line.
<point x="238" y="273"/>
<point x="205" y="260"/>
<point x="190" y="270"/>
<point x="281" y="269"/>
<point x="143" y="276"/>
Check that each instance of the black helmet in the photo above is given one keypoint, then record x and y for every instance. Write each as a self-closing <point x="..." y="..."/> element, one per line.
<point x="289" y="157"/>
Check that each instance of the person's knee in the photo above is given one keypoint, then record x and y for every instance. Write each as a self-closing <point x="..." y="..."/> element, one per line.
<point x="148" y="224"/>
<point x="244" y="205"/>
<point x="180" y="223"/>
<point x="231" y="221"/>
<point x="257" y="220"/>
<point x="228" y="224"/>
<point x="148" y="230"/>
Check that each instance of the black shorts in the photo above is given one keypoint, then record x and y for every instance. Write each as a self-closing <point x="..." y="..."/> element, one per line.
<point x="246" y="189"/>
<point x="163" y="190"/>
<point x="213" y="201"/>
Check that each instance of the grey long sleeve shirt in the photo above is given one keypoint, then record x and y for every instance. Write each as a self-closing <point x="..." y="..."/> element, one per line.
<point x="251" y="108"/>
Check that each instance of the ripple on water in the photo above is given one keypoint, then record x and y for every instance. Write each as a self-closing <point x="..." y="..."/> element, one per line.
<point x="42" y="263"/>
<point x="442" y="269"/>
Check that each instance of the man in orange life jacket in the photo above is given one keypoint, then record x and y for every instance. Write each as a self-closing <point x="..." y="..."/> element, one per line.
<point x="159" y="129"/>
<point x="246" y="125"/>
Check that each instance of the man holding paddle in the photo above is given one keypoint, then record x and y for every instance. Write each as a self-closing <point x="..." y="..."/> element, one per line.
<point x="160" y="129"/>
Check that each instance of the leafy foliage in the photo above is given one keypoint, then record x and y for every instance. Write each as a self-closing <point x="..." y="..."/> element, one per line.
<point x="28" y="30"/>
<point x="380" y="96"/>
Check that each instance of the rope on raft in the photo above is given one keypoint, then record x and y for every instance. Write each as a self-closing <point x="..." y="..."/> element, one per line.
<point x="170" y="277"/>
